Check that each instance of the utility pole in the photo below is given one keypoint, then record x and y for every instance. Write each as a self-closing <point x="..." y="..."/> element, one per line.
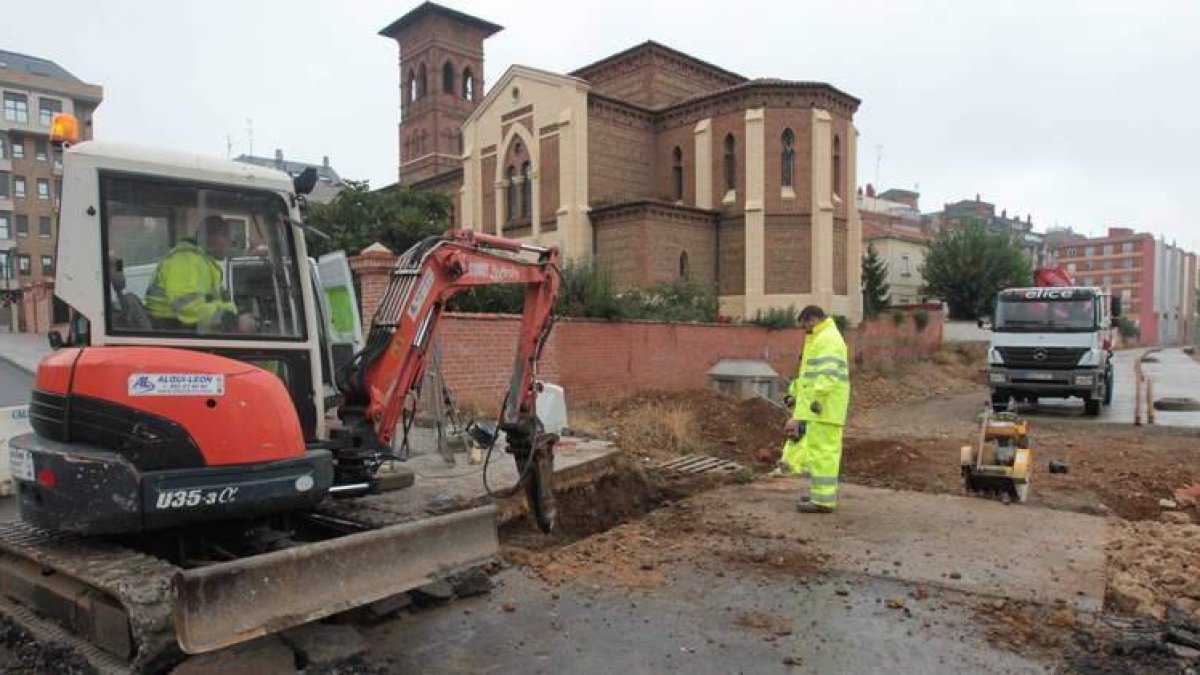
<point x="878" y="161"/>
<point x="250" y="135"/>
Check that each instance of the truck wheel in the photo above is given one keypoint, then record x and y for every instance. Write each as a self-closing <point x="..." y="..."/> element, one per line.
<point x="1000" y="403"/>
<point x="1091" y="406"/>
<point x="1108" y="387"/>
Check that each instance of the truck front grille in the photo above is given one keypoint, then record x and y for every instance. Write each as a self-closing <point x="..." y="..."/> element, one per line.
<point x="1042" y="358"/>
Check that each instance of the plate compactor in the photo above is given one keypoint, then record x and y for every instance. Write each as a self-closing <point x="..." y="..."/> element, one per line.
<point x="999" y="464"/>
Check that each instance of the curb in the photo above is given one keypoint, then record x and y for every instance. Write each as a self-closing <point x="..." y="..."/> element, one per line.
<point x="18" y="366"/>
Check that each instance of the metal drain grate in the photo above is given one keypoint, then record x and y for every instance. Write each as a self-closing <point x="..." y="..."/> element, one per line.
<point x="694" y="464"/>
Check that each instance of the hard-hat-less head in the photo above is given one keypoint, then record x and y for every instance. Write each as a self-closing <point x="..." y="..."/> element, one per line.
<point x="216" y="235"/>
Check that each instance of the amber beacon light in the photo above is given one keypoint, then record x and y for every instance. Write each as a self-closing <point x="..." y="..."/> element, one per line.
<point x="64" y="129"/>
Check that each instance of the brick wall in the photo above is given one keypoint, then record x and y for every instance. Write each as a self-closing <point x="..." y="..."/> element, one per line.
<point x="620" y="157"/>
<point x="599" y="359"/>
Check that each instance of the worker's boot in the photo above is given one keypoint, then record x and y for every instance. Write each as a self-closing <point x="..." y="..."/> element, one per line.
<point x="810" y="507"/>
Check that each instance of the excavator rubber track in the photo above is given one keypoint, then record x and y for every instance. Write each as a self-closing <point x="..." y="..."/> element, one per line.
<point x="128" y="612"/>
<point x="111" y="603"/>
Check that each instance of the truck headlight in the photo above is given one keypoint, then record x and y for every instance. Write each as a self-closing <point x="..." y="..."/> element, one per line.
<point x="994" y="357"/>
<point x="1085" y="380"/>
<point x="1090" y="358"/>
<point x="997" y="378"/>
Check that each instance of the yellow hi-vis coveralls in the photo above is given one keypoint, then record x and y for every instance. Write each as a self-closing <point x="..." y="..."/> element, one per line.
<point x="824" y="380"/>
<point x="188" y="288"/>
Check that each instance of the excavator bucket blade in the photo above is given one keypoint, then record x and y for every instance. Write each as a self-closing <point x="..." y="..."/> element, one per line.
<point x="231" y="602"/>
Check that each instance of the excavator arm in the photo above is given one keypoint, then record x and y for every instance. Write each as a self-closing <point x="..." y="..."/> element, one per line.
<point x="378" y="383"/>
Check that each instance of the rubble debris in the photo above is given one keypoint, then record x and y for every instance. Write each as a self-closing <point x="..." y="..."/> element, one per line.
<point x="1152" y="567"/>
<point x="321" y="647"/>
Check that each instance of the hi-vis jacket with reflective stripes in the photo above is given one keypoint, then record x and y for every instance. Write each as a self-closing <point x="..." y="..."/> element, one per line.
<point x="188" y="287"/>
<point x="824" y="377"/>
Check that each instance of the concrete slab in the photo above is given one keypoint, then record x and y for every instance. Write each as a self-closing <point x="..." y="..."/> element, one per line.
<point x="971" y="545"/>
<point x="440" y="488"/>
<point x="696" y="623"/>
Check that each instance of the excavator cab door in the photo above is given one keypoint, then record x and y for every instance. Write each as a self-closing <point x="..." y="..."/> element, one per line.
<point x="341" y="327"/>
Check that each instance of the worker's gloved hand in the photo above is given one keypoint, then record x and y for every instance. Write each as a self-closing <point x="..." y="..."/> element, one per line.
<point x="794" y="429"/>
<point x="815" y="407"/>
<point x="789" y="401"/>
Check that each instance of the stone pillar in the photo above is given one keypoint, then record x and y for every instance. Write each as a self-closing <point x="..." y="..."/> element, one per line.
<point x="703" y="155"/>
<point x="756" y="224"/>
<point x="854" y="248"/>
<point x="373" y="269"/>
<point x="822" y="208"/>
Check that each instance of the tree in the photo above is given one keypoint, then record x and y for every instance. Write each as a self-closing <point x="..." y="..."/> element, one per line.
<point x="875" y="289"/>
<point x="968" y="265"/>
<point x="358" y="217"/>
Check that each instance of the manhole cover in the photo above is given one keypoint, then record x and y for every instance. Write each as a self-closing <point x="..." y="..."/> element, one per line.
<point x="1177" y="404"/>
<point x="693" y="464"/>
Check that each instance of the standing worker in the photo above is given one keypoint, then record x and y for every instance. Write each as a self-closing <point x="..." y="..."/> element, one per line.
<point x="821" y="395"/>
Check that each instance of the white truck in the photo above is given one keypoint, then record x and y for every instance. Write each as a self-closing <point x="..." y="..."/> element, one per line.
<point x="1052" y="342"/>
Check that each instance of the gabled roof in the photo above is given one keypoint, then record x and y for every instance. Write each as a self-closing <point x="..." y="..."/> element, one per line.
<point x="34" y="65"/>
<point x="651" y="45"/>
<point x="432" y="8"/>
<point x="515" y="70"/>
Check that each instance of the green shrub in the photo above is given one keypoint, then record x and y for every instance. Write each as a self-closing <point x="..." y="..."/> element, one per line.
<point x="897" y="317"/>
<point x="842" y="323"/>
<point x="775" y="318"/>
<point x="681" y="300"/>
<point x="1127" y="328"/>
<point x="921" y="319"/>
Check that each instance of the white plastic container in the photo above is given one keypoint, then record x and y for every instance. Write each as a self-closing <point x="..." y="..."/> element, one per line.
<point x="552" y="407"/>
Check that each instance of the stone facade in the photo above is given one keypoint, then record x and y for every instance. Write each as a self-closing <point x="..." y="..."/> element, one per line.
<point x="656" y="165"/>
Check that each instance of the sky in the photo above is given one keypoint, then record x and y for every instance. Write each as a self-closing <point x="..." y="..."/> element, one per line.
<point x="1079" y="113"/>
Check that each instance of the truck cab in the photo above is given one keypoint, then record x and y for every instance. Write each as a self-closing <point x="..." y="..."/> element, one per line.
<point x="1052" y="343"/>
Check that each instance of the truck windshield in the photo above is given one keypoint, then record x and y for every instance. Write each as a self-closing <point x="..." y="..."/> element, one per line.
<point x="192" y="260"/>
<point x="1038" y="316"/>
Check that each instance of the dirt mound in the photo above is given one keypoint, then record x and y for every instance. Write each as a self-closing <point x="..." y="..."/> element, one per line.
<point x="953" y="370"/>
<point x="661" y="425"/>
<point x="1154" y="567"/>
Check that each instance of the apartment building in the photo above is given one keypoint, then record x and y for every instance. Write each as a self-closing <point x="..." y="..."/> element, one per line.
<point x="1155" y="280"/>
<point x="32" y="91"/>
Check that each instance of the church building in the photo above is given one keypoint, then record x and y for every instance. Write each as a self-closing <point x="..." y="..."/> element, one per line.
<point x="652" y="163"/>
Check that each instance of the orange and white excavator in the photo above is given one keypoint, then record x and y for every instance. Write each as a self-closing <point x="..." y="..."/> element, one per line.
<point x="173" y="495"/>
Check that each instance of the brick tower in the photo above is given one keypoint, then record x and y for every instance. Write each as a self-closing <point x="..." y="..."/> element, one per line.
<point x="441" y="82"/>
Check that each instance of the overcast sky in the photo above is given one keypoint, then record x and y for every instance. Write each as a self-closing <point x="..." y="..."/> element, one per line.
<point x="1080" y="113"/>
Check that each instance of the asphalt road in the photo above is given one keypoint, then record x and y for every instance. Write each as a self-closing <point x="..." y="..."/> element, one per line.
<point x="15" y="385"/>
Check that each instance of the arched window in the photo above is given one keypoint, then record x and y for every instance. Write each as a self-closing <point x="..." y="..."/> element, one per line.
<point x="683" y="265"/>
<point x="422" y="82"/>
<point x="837" y="165"/>
<point x="677" y="174"/>
<point x="510" y="196"/>
<point x="468" y="85"/>
<point x="448" y="79"/>
<point x="526" y="191"/>
<point x="412" y="85"/>
<point x="787" y="158"/>
<point x="730" y="163"/>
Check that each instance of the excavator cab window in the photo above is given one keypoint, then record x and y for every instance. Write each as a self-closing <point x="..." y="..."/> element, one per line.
<point x="197" y="260"/>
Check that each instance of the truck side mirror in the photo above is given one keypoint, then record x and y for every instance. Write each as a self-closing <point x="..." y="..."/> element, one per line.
<point x="1115" y="305"/>
<point x="1116" y="322"/>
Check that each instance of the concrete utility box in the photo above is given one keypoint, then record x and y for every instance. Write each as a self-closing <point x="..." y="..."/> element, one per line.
<point x="746" y="378"/>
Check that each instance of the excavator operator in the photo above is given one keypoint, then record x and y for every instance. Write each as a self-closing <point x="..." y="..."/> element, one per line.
<point x="188" y="293"/>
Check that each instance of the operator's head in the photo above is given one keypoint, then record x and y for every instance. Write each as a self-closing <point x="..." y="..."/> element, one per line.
<point x="216" y="236"/>
<point x="810" y="316"/>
